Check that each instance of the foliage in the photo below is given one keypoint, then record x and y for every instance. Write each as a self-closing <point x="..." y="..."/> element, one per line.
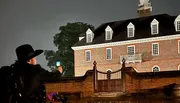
<point x="68" y="36"/>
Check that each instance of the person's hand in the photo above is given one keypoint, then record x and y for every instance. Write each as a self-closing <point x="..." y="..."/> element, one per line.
<point x="60" y="69"/>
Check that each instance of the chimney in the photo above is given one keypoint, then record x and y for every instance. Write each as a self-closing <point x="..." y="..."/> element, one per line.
<point x="144" y="8"/>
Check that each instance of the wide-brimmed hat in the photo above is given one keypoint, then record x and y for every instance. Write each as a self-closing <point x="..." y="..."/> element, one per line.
<point x="26" y="52"/>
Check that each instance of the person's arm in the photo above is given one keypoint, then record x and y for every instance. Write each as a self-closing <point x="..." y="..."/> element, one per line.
<point x="47" y="76"/>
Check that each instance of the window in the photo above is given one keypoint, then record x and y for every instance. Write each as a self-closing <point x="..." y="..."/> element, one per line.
<point x="88" y="55"/>
<point x="89" y="38"/>
<point x="154" y="29"/>
<point x="108" y="53"/>
<point x="130" y="32"/>
<point x="178" y="25"/>
<point x="178" y="46"/>
<point x="108" y="35"/>
<point x="131" y="50"/>
<point x="156" y="69"/>
<point x="155" y="49"/>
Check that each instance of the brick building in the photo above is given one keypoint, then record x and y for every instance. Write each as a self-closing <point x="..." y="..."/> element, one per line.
<point x="149" y="43"/>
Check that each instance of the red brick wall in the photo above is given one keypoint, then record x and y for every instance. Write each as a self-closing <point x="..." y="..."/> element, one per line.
<point x="85" y="87"/>
<point x="168" y="59"/>
<point x="133" y="85"/>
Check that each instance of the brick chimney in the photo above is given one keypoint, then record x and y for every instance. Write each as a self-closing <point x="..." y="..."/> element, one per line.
<point x="144" y="8"/>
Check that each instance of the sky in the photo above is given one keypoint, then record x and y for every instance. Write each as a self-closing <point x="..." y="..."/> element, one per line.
<point x="35" y="22"/>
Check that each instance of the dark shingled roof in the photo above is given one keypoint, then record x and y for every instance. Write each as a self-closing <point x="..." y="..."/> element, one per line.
<point x="142" y="29"/>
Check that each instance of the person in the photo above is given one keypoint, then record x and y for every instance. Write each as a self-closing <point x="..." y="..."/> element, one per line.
<point x="31" y="76"/>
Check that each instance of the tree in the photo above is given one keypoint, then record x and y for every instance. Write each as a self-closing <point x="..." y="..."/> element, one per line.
<point x="68" y="36"/>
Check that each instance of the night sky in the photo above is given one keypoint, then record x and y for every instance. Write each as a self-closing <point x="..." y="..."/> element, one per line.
<point x="37" y="21"/>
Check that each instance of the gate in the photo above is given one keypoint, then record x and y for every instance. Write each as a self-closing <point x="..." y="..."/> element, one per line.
<point x="108" y="83"/>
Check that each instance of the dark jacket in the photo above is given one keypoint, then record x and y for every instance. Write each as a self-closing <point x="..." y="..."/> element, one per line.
<point x="34" y="78"/>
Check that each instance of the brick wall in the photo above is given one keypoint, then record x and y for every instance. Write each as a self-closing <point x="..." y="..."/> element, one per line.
<point x="134" y="84"/>
<point x="168" y="59"/>
<point x="83" y="85"/>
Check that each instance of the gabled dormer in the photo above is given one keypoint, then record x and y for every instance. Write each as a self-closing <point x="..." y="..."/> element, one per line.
<point x="130" y="30"/>
<point x="108" y="33"/>
<point x="177" y="23"/>
<point x="89" y="36"/>
<point x="154" y="27"/>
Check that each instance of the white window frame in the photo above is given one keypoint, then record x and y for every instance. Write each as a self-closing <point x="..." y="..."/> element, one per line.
<point x="110" y="54"/>
<point x="178" y="67"/>
<point x="108" y="32"/>
<point x="156" y="29"/>
<point x="178" y="25"/>
<point x="128" y="49"/>
<point x="89" y="34"/>
<point x="130" y="26"/>
<point x="129" y="33"/>
<point x="154" y="67"/>
<point x="179" y="46"/>
<point x="153" y="49"/>
<point x="89" y="55"/>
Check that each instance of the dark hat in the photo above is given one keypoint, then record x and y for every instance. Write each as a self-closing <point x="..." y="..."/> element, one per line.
<point x="26" y="52"/>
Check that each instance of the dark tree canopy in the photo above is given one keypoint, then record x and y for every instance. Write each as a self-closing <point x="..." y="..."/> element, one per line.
<point x="68" y="36"/>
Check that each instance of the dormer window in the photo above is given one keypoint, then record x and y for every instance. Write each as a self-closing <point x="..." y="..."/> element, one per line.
<point x="154" y="27"/>
<point x="177" y="23"/>
<point x="130" y="30"/>
<point x="108" y="33"/>
<point x="89" y="36"/>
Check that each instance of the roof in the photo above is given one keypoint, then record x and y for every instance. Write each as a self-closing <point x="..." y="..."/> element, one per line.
<point x="142" y="29"/>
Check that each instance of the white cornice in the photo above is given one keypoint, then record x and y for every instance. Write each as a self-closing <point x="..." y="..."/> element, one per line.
<point x="127" y="42"/>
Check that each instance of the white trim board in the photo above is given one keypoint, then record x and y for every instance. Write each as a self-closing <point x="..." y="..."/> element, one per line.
<point x="127" y="42"/>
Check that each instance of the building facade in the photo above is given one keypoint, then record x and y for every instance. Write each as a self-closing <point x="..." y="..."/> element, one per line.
<point x="149" y="43"/>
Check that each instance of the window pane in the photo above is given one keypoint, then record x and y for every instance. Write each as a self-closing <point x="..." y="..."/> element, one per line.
<point x="89" y="37"/>
<point x="131" y="50"/>
<point x="178" y="25"/>
<point x="155" y="69"/>
<point x="88" y="55"/>
<point x="154" y="29"/>
<point x="108" y="53"/>
<point x="130" y="32"/>
<point x="155" y="49"/>
<point x="108" y="35"/>
<point x="179" y="46"/>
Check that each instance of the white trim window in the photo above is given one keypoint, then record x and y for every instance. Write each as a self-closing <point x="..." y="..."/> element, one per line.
<point x="177" y="23"/>
<point x="88" y="55"/>
<point x="155" y="49"/>
<point x="89" y="36"/>
<point x="179" y="46"/>
<point x="155" y="69"/>
<point x="131" y="50"/>
<point x="108" y="33"/>
<point x="108" y="53"/>
<point x="130" y="30"/>
<point x="178" y="67"/>
<point x="154" y="27"/>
